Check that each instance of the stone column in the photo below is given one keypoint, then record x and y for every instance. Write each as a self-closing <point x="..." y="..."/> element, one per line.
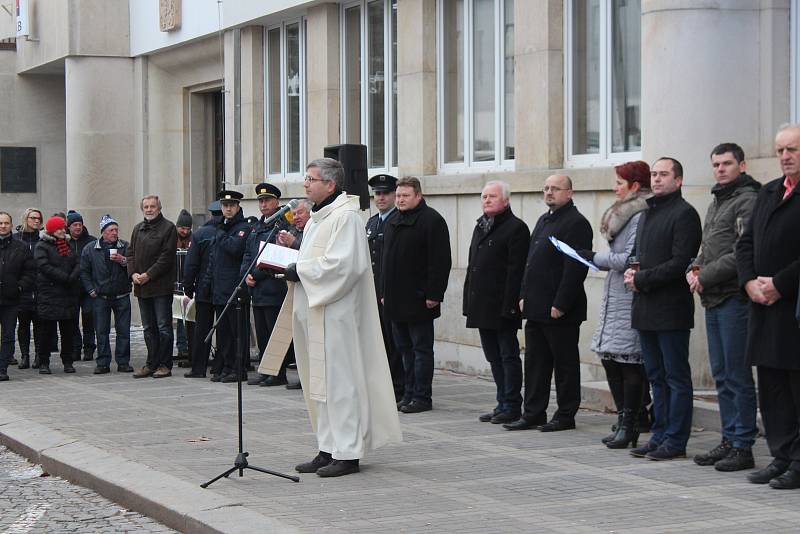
<point x="322" y="79"/>
<point x="416" y="87"/>
<point x="100" y="140"/>
<point x="538" y="84"/>
<point x="252" y="105"/>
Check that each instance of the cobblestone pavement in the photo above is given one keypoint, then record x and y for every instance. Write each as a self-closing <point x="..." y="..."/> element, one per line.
<point x="451" y="474"/>
<point x="32" y="503"/>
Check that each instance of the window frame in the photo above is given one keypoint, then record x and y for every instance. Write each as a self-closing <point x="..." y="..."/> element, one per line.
<point x="604" y="156"/>
<point x="469" y="164"/>
<point x="284" y="151"/>
<point x="388" y="80"/>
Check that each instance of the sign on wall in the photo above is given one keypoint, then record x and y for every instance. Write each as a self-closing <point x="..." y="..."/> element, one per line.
<point x="23" y="22"/>
<point x="169" y="12"/>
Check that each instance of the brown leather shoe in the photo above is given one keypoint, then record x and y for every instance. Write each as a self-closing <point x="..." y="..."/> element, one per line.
<point x="143" y="372"/>
<point x="162" y="372"/>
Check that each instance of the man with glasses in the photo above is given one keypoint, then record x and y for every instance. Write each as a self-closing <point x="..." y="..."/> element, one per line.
<point x="553" y="301"/>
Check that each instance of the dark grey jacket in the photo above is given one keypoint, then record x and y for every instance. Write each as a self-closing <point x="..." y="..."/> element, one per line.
<point x="100" y="274"/>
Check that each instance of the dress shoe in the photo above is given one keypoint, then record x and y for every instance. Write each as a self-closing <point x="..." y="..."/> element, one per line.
<point x="644" y="450"/>
<point x="737" y="460"/>
<point x="714" y="455"/>
<point x="411" y="407"/>
<point x="216" y="378"/>
<point x="25" y="362"/>
<point x="124" y="368"/>
<point x="338" y="468"/>
<point x="68" y="368"/>
<point x="320" y="460"/>
<point x="523" y="424"/>
<point x="256" y="380"/>
<point x="665" y="453"/>
<point x="192" y="374"/>
<point x="100" y="370"/>
<point x="273" y="381"/>
<point x="162" y="372"/>
<point x="4" y="376"/>
<point x="294" y="385"/>
<point x="143" y="372"/>
<point x="231" y="377"/>
<point x="788" y="480"/>
<point x="402" y="403"/>
<point x="88" y="355"/>
<point x="557" y="425"/>
<point x="504" y="417"/>
<point x="485" y="418"/>
<point x="44" y="370"/>
<point x="773" y="470"/>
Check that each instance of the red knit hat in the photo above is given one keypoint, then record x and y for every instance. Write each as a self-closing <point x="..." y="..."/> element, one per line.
<point x="55" y="223"/>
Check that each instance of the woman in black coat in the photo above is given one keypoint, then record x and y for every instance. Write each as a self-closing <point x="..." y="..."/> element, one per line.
<point x="58" y="284"/>
<point x="28" y="233"/>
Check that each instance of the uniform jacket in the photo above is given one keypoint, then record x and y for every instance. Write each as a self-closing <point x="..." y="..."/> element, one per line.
<point x="152" y="251"/>
<point x="226" y="256"/>
<point x="667" y="239"/>
<point x="770" y="247"/>
<point x="58" y="281"/>
<point x="725" y="222"/>
<point x="551" y="279"/>
<point x="27" y="300"/>
<point x="17" y="270"/>
<point x="494" y="274"/>
<point x="100" y="274"/>
<point x="268" y="290"/>
<point x="416" y="264"/>
<point x="197" y="281"/>
<point x="375" y="241"/>
<point x="614" y="333"/>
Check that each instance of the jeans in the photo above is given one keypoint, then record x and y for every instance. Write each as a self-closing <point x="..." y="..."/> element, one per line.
<point x="181" y="339"/>
<point x="415" y="343"/>
<point x="666" y="360"/>
<point x="87" y="338"/>
<point x="8" y="322"/>
<point x="156" y="315"/>
<point x="726" y="326"/>
<point x="121" y="307"/>
<point x="501" y="348"/>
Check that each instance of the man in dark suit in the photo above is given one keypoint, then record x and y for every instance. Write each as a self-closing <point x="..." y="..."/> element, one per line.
<point x="769" y="267"/>
<point x="497" y="256"/>
<point x="383" y="192"/>
<point x="553" y="300"/>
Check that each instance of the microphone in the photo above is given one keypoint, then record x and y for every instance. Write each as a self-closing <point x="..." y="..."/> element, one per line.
<point x="281" y="212"/>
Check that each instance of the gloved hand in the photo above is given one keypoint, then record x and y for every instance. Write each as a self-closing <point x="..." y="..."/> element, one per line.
<point x="587" y="255"/>
<point x="290" y="274"/>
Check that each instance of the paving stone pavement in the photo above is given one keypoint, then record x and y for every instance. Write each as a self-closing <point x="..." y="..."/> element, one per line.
<point x="451" y="474"/>
<point x="31" y="503"/>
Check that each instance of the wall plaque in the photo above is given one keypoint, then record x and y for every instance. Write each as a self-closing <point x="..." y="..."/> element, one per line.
<point x="169" y="15"/>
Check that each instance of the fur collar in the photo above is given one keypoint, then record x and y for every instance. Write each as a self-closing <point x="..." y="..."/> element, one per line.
<point x="617" y="216"/>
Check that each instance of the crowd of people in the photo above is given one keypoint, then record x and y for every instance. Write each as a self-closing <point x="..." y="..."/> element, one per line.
<point x="365" y="353"/>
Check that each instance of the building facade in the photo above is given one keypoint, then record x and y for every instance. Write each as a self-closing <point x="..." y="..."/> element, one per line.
<point x="108" y="100"/>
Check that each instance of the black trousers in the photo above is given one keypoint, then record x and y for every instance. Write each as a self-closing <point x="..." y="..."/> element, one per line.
<point x="779" y="397"/>
<point x="26" y="318"/>
<point x="551" y="348"/>
<point x="203" y="319"/>
<point x="47" y="329"/>
<point x="227" y="330"/>
<point x="395" y="356"/>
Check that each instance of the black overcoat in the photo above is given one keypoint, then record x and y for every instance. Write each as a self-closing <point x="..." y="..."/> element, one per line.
<point x="551" y="279"/>
<point x="416" y="264"/>
<point x="494" y="273"/>
<point x="57" y="281"/>
<point x="375" y="238"/>
<point x="770" y="247"/>
<point x="197" y="282"/>
<point x="17" y="270"/>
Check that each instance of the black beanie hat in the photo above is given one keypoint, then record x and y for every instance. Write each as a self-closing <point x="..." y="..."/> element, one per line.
<point x="184" y="219"/>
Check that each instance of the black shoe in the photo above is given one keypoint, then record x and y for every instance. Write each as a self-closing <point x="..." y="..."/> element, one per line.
<point x="524" y="424"/>
<point x="737" y="460"/>
<point x="294" y="385"/>
<point x="13" y="361"/>
<point x="715" y="455"/>
<point x="788" y="480"/>
<point x="557" y="425"/>
<point x="101" y="370"/>
<point x="773" y="470"/>
<point x="402" y="403"/>
<point x="184" y="364"/>
<point x="256" y="380"/>
<point x="485" y="418"/>
<point x="320" y="460"/>
<point x="338" y="468"/>
<point x="68" y="368"/>
<point x="4" y="376"/>
<point x="504" y="417"/>
<point x="88" y="355"/>
<point x="124" y="368"/>
<point x="44" y="370"/>
<point x="665" y="453"/>
<point x="35" y="364"/>
<point x="192" y="374"/>
<point x="231" y="377"/>
<point x="411" y="407"/>
<point x="216" y="378"/>
<point x="25" y="363"/>
<point x="644" y="450"/>
<point x="273" y="381"/>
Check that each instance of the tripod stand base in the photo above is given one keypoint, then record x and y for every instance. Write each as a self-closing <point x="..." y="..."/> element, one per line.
<point x="241" y="464"/>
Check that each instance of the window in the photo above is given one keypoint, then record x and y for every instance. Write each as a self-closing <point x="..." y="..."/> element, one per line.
<point x="369" y="79"/>
<point x="476" y="83"/>
<point x="603" y="78"/>
<point x="795" y="59"/>
<point x="18" y="170"/>
<point x="285" y="98"/>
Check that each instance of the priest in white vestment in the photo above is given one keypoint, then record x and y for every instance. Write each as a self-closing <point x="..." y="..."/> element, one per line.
<point x="338" y="342"/>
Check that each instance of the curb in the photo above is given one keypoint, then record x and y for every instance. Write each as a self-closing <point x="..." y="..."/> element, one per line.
<point x="173" y="502"/>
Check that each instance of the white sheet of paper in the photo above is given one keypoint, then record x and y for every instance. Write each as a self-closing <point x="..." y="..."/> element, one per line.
<point x="277" y="256"/>
<point x="569" y="251"/>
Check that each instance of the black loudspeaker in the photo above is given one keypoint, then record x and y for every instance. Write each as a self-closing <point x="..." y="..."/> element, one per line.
<point x="354" y="160"/>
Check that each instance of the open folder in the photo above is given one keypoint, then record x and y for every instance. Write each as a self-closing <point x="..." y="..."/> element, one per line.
<point x="569" y="251"/>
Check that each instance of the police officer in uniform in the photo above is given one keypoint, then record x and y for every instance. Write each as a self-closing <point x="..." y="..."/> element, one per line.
<point x="266" y="292"/>
<point x="383" y="188"/>
<point x="226" y="260"/>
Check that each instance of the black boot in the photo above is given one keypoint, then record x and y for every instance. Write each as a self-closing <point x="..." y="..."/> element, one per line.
<point x="35" y="362"/>
<point x="628" y="432"/>
<point x="25" y="363"/>
<point x="614" y="429"/>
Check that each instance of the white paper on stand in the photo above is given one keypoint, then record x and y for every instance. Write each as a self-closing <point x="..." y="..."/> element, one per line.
<point x="277" y="256"/>
<point x="569" y="251"/>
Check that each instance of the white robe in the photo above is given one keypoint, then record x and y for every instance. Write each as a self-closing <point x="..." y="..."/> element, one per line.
<point x="345" y="374"/>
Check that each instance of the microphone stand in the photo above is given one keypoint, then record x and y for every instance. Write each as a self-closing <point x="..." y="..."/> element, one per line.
<point x="240" y="296"/>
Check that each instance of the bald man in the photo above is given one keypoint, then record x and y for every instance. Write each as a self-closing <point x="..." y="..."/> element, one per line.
<point x="553" y="301"/>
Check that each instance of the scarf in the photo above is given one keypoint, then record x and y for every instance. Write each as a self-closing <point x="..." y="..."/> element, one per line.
<point x="62" y="247"/>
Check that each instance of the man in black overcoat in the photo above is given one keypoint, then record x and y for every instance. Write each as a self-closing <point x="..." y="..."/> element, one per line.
<point x="497" y="257"/>
<point x="769" y="267"/>
<point x="553" y="300"/>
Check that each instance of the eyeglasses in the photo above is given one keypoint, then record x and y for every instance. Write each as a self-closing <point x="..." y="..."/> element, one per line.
<point x="309" y="178"/>
<point x="554" y="189"/>
<point x="34" y="218"/>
